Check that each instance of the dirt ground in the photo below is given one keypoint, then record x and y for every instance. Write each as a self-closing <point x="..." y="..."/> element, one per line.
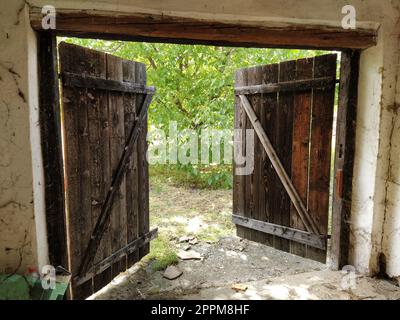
<point x="227" y="262"/>
<point x="228" y="267"/>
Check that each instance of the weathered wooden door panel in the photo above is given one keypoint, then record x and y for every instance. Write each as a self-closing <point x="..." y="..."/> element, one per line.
<point x="102" y="96"/>
<point x="293" y="101"/>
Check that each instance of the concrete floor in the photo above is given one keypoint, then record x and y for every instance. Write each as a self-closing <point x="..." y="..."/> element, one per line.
<point x="316" y="285"/>
<point x="260" y="271"/>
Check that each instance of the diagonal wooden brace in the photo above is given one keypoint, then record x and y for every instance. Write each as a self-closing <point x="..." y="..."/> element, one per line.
<point x="305" y="217"/>
<point x="103" y="220"/>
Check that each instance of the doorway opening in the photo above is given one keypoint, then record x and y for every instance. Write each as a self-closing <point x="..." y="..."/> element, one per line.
<point x="191" y="202"/>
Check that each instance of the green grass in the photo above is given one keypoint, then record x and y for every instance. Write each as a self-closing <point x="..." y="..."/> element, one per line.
<point x="162" y="253"/>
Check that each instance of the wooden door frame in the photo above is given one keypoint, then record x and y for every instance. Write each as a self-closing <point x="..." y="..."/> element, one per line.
<point x="161" y="28"/>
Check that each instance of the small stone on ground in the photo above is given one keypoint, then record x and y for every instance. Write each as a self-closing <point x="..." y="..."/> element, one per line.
<point x="239" y="287"/>
<point x="172" y="273"/>
<point x="189" y="255"/>
<point x="186" y="238"/>
<point x="186" y="247"/>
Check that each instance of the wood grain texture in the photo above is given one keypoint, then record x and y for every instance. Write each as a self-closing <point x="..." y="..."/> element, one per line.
<point x="239" y="187"/>
<point x="320" y="150"/>
<point x="280" y="231"/>
<point x="284" y="129"/>
<point x="344" y="157"/>
<point x="270" y="74"/>
<point x="301" y="142"/>
<point x="100" y="137"/>
<point x="251" y="197"/>
<point x="143" y="167"/>
<point x="97" y="123"/>
<point x="288" y="86"/>
<point x="295" y="129"/>
<point x="164" y="28"/>
<point x="51" y="138"/>
<point x="132" y="180"/>
<point x="77" y="162"/>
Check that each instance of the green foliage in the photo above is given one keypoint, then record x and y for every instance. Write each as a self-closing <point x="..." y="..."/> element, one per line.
<point x="195" y="176"/>
<point x="162" y="253"/>
<point x="194" y="86"/>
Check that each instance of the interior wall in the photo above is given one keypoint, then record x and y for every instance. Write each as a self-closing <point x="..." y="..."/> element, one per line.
<point x="21" y="210"/>
<point x="376" y="175"/>
<point x="375" y="125"/>
<point x="390" y="257"/>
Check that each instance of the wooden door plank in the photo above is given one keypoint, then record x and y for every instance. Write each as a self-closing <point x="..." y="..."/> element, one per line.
<point x="284" y="129"/>
<point x="300" y="148"/>
<point x="117" y="143"/>
<point x="143" y="169"/>
<point x="237" y="202"/>
<point x="258" y="164"/>
<point x="75" y="59"/>
<point x="248" y="178"/>
<point x="85" y="219"/>
<point x="51" y="141"/>
<point x="239" y="187"/>
<point x="132" y="182"/>
<point x="320" y="150"/>
<point x="268" y="116"/>
<point x="100" y="161"/>
<point x="100" y="133"/>
<point x="70" y="127"/>
<point x="251" y="199"/>
<point x="344" y="157"/>
<point x="92" y="64"/>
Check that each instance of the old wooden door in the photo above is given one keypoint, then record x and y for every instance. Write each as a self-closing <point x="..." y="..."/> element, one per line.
<point x="104" y="115"/>
<point x="291" y="104"/>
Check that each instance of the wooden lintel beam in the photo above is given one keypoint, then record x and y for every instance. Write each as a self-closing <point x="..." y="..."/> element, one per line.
<point x="304" y="237"/>
<point x="164" y="28"/>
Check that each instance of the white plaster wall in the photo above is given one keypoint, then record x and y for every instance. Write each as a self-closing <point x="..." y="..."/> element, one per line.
<point x="20" y="164"/>
<point x="375" y="133"/>
<point x="378" y="73"/>
<point x="391" y="234"/>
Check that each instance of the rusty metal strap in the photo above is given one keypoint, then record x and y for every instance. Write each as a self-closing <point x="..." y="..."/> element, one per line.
<point x="116" y="256"/>
<point x="102" y="222"/>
